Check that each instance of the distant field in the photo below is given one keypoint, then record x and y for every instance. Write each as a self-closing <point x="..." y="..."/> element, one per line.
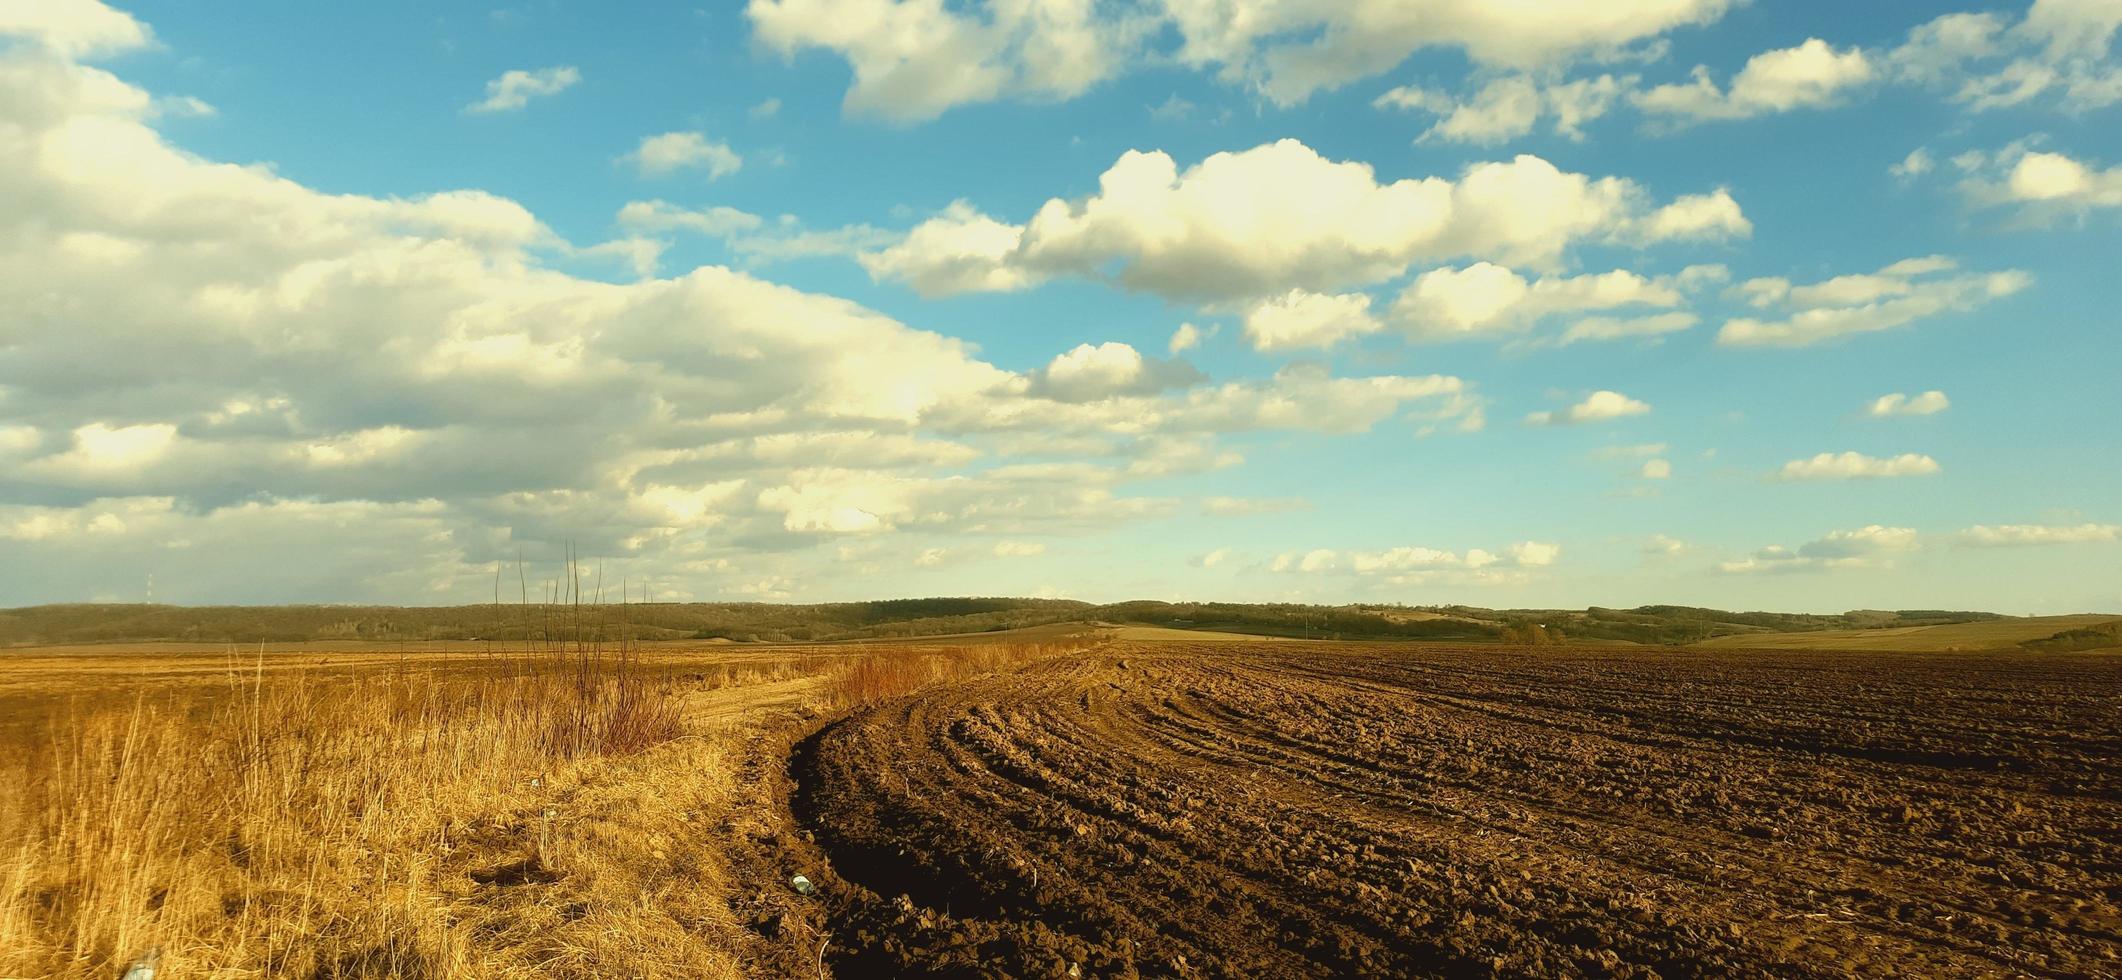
<point x="1156" y="634"/>
<point x="1987" y="635"/>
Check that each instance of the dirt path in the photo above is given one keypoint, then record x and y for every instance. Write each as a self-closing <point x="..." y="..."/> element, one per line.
<point x="1292" y="810"/>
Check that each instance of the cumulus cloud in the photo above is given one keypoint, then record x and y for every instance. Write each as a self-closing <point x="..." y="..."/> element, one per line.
<point x="73" y="28"/>
<point x="957" y="251"/>
<point x="1300" y="319"/>
<point x="667" y="153"/>
<point x="1656" y="469"/>
<point x="1663" y="546"/>
<point x="913" y="61"/>
<point x="1212" y="558"/>
<point x="1599" y="406"/>
<point x="1896" y="295"/>
<point x="1509" y="107"/>
<point x="351" y="397"/>
<point x="1857" y="466"/>
<point x="1485" y="299"/>
<point x="1866" y="547"/>
<point x="2042" y="186"/>
<point x="1811" y="75"/>
<point x="2022" y="535"/>
<point x="1890" y="405"/>
<point x="1185" y="338"/>
<point x="2061" y="49"/>
<point x="1102" y="371"/>
<point x="1424" y="566"/>
<point x="1260" y="222"/>
<point x="1915" y="164"/>
<point x="514" y="89"/>
<point x="753" y="239"/>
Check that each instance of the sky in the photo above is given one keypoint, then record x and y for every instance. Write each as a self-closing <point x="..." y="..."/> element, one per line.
<point x="1798" y="306"/>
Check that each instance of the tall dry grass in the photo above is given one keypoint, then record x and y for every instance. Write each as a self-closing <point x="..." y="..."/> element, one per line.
<point x="496" y="822"/>
<point x="889" y="672"/>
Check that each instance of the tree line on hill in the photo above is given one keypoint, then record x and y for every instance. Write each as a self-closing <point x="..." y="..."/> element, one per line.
<point x="755" y="622"/>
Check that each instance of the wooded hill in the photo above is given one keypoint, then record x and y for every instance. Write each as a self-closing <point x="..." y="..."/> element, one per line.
<point x="778" y="623"/>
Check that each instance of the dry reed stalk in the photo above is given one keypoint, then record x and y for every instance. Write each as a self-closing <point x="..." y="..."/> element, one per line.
<point x="328" y="829"/>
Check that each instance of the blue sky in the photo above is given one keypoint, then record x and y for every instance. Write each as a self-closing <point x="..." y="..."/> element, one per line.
<point x="1749" y="305"/>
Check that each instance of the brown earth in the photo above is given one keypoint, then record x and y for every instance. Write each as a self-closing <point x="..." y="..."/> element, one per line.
<point x="1312" y="810"/>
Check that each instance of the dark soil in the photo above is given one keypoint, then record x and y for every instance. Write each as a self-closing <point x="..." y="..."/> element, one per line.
<point x="1300" y="810"/>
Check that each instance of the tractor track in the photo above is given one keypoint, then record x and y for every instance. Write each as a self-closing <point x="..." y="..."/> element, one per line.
<point x="1313" y="810"/>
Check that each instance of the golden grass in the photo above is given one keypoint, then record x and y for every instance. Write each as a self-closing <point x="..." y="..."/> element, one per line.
<point x="893" y="671"/>
<point x="540" y="819"/>
<point x="567" y="810"/>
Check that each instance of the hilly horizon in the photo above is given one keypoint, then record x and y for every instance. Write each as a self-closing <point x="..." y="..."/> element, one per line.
<point x="754" y="622"/>
<point x="1083" y="489"/>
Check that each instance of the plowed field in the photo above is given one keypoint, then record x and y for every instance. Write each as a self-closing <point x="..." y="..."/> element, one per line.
<point x="1313" y="810"/>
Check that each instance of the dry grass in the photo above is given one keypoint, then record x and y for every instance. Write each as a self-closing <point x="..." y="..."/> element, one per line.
<point x="573" y="807"/>
<point x="535" y="819"/>
<point x="893" y="671"/>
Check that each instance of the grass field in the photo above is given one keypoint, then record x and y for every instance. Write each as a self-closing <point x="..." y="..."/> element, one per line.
<point x="575" y="810"/>
<point x="1987" y="635"/>
<point x="1134" y="801"/>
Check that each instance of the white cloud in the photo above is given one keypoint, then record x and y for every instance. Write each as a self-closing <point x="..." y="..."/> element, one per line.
<point x="1019" y="549"/>
<point x="1857" y="466"/>
<point x="19" y="439"/>
<point x="1621" y="328"/>
<point x="1186" y="338"/>
<point x="1894" y="296"/>
<point x="913" y="61"/>
<point x="1915" y="164"/>
<point x="667" y="153"/>
<point x="1664" y="546"/>
<point x="73" y="28"/>
<point x="1097" y="372"/>
<point x="1865" y="547"/>
<point x="1811" y="75"/>
<point x="958" y="251"/>
<point x="1504" y="109"/>
<point x="1509" y="107"/>
<point x="1417" y="565"/>
<point x="766" y="109"/>
<point x="1301" y="319"/>
<point x="754" y="239"/>
<point x="1656" y="469"/>
<point x="718" y="222"/>
<point x="514" y="89"/>
<point x="1599" y="406"/>
<point x="382" y="396"/>
<point x="2044" y="186"/>
<point x="1246" y="506"/>
<point x="1485" y="299"/>
<point x="1982" y="61"/>
<point x="101" y="453"/>
<point x="2019" y="535"/>
<point x="1260" y="222"/>
<point x="1696" y="217"/>
<point x="1927" y="403"/>
<point x="1213" y="558"/>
